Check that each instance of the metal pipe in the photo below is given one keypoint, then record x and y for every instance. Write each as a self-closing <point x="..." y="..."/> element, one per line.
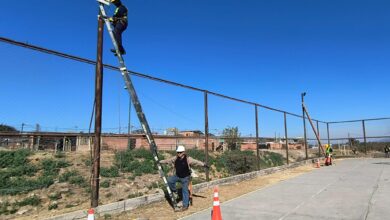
<point x="314" y="130"/>
<point x="364" y="135"/>
<point x="285" y="134"/>
<point x="366" y="119"/>
<point x="206" y="133"/>
<point x="318" y="130"/>
<point x="98" y="117"/>
<point x="304" y="124"/>
<point x="257" y="138"/>
<point x="327" y="130"/>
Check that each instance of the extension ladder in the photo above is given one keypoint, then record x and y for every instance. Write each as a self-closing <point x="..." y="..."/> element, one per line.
<point x="136" y="103"/>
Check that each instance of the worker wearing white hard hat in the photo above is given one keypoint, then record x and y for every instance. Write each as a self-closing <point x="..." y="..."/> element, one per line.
<point x="182" y="164"/>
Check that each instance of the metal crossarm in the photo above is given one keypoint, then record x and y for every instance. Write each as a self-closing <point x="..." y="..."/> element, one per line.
<point x="136" y="103"/>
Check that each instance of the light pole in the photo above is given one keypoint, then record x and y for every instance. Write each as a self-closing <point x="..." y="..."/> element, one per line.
<point x="304" y="123"/>
<point x="129" y="124"/>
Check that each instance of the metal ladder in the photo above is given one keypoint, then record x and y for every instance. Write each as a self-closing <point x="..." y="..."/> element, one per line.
<point x="136" y="103"/>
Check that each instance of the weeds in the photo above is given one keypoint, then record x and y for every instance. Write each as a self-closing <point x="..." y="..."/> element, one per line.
<point x="105" y="184"/>
<point x="53" y="206"/>
<point x="67" y="175"/>
<point x="55" y="196"/>
<point x="109" y="172"/>
<point x="52" y="167"/>
<point x="135" y="195"/>
<point x="33" y="201"/>
<point x="78" y="180"/>
<point x="14" y="158"/>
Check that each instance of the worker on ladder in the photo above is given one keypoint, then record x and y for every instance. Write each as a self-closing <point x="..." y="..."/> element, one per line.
<point x="119" y="21"/>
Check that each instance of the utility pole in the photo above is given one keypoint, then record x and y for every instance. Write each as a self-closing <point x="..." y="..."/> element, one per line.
<point x="304" y="123"/>
<point x="206" y="133"/>
<point x="98" y="117"/>
<point x="257" y="138"/>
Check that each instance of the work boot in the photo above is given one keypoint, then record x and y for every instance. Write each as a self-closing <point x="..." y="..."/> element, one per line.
<point x="123" y="52"/>
<point x="183" y="209"/>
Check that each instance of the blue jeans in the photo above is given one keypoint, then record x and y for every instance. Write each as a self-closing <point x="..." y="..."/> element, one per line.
<point x="184" y="182"/>
<point x="119" y="27"/>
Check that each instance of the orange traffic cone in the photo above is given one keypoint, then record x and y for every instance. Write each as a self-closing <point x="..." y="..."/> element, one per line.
<point x="91" y="214"/>
<point x="216" y="212"/>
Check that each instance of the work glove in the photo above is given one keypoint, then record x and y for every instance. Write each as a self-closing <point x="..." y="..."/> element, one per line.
<point x="111" y="19"/>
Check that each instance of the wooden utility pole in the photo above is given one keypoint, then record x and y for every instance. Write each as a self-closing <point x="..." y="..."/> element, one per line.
<point x="98" y="117"/>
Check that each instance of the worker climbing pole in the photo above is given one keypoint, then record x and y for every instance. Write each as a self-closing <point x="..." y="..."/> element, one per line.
<point x="119" y="51"/>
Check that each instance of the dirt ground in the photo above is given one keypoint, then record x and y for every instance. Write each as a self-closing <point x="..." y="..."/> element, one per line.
<point x="73" y="198"/>
<point x="204" y="200"/>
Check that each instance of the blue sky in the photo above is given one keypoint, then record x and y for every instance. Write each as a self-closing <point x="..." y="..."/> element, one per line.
<point x="262" y="51"/>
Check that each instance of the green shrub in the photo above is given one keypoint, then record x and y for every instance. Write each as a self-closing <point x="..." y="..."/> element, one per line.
<point x="19" y="185"/>
<point x="14" y="158"/>
<point x="142" y="153"/>
<point x="78" y="180"/>
<point x="277" y="159"/>
<point x="27" y="169"/>
<point x="105" y="184"/>
<point x="122" y="158"/>
<point x="109" y="172"/>
<point x="53" y="206"/>
<point x="33" y="201"/>
<point x="237" y="162"/>
<point x="67" y="175"/>
<point x="52" y="167"/>
<point x="196" y="154"/>
<point x="88" y="162"/>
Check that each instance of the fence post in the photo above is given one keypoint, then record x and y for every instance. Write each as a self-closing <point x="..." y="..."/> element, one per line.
<point x="285" y="134"/>
<point x="327" y="129"/>
<point x="364" y="135"/>
<point x="206" y="135"/>
<point x="304" y="124"/>
<point x="257" y="138"/>
<point x="38" y="142"/>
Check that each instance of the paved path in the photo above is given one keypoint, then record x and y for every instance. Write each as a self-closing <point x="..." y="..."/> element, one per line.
<point x="351" y="189"/>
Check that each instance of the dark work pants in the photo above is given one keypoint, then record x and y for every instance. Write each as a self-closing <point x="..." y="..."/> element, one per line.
<point x="119" y="27"/>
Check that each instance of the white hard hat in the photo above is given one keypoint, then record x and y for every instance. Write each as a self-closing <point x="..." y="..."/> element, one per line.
<point x="180" y="148"/>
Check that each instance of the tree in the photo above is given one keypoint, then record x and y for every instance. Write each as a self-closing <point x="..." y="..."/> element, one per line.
<point x="232" y="138"/>
<point x="354" y="142"/>
<point x="7" y="128"/>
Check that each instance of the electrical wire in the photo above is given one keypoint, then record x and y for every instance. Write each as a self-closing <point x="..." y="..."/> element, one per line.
<point x="88" y="61"/>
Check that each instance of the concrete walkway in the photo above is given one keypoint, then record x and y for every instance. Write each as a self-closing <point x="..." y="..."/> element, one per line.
<point x="351" y="189"/>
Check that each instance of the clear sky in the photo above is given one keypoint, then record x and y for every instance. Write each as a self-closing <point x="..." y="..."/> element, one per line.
<point x="262" y="51"/>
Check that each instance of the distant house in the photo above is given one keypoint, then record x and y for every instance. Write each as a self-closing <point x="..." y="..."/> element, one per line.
<point x="193" y="133"/>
